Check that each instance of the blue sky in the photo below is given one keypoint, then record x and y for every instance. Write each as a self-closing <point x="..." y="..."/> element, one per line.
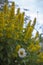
<point x="33" y="6"/>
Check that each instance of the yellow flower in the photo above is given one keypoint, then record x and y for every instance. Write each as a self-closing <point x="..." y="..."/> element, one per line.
<point x="34" y="47"/>
<point x="28" y="25"/>
<point x="18" y="11"/>
<point x="12" y="10"/>
<point x="37" y="34"/>
<point x="40" y="56"/>
<point x="21" y="19"/>
<point x="34" y="22"/>
<point x="28" y="33"/>
<point x="31" y="48"/>
<point x="2" y="19"/>
<point x="31" y="45"/>
<point x="38" y="47"/>
<point x="5" y="9"/>
<point x="18" y="47"/>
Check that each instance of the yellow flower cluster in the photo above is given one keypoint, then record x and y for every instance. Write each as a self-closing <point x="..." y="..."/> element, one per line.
<point x="40" y="57"/>
<point x="11" y="29"/>
<point x="29" y="30"/>
<point x="34" y="47"/>
<point x="37" y="35"/>
<point x="11" y="24"/>
<point x="28" y="34"/>
<point x="1" y="23"/>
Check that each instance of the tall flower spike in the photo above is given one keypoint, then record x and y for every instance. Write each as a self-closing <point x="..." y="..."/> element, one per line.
<point x="37" y="35"/>
<point x="19" y="21"/>
<point x="1" y="24"/>
<point x="28" y="25"/>
<point x="18" y="11"/>
<point x="22" y="20"/>
<point x="1" y="19"/>
<point x="5" y="8"/>
<point x="12" y="10"/>
<point x="28" y="34"/>
<point x="34" y="22"/>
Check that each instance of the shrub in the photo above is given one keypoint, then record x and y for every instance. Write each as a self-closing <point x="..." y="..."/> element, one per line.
<point x="17" y="46"/>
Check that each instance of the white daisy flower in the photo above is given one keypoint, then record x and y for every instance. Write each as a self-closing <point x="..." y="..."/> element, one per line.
<point x="21" y="53"/>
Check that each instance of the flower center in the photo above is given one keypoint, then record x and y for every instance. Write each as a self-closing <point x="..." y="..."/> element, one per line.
<point x="21" y="52"/>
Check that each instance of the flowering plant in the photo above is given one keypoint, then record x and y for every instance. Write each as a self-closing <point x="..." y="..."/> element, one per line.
<point x="17" y="46"/>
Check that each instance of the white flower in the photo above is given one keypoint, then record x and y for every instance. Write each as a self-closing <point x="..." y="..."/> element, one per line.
<point x="21" y="53"/>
